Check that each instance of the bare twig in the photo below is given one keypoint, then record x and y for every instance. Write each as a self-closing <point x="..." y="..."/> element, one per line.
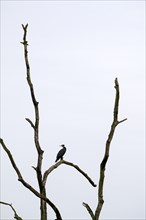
<point x="89" y="210"/>
<point x="16" y="216"/>
<point x="107" y="148"/>
<point x="30" y="122"/>
<point x="122" y="121"/>
<point x="28" y="186"/>
<point x="48" y="171"/>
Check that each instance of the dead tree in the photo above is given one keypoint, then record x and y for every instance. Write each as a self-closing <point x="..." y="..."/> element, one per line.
<point x="41" y="178"/>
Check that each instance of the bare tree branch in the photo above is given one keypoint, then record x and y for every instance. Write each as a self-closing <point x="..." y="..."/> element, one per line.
<point x="107" y="148"/>
<point x="30" y="122"/>
<point x="48" y="171"/>
<point x="11" y="159"/>
<point x="122" y="121"/>
<point x="35" y="103"/>
<point x="16" y="216"/>
<point x="35" y="126"/>
<point x="28" y="186"/>
<point x="89" y="210"/>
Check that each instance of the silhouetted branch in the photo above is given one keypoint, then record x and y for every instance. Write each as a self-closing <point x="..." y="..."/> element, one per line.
<point x="11" y="159"/>
<point x="28" y="186"/>
<point x="48" y="171"/>
<point x="107" y="148"/>
<point x="35" y="125"/>
<point x="16" y="216"/>
<point x="122" y="121"/>
<point x="89" y="210"/>
<point x="30" y="122"/>
<point x="35" y="102"/>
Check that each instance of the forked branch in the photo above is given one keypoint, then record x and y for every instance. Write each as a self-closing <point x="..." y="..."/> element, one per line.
<point x="27" y="185"/>
<point x="107" y="148"/>
<point x="106" y="156"/>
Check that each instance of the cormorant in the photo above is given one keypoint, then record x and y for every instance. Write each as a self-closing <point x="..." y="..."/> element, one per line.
<point x="61" y="153"/>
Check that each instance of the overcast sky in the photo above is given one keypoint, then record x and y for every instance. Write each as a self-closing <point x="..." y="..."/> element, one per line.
<point x="76" y="50"/>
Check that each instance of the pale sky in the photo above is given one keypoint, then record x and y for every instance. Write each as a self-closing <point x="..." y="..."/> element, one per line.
<point x="76" y="50"/>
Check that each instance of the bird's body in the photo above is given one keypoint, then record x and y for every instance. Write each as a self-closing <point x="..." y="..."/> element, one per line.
<point x="61" y="153"/>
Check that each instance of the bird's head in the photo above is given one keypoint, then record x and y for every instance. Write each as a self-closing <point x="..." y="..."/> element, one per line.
<point x="62" y="145"/>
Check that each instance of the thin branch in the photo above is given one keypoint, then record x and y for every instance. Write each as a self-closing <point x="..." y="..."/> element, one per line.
<point x="11" y="159"/>
<point x="30" y="122"/>
<point x="107" y="148"/>
<point x="16" y="216"/>
<point x="25" y="43"/>
<point x="28" y="186"/>
<point x="122" y="121"/>
<point x="48" y="171"/>
<point x="89" y="210"/>
<point x="36" y="108"/>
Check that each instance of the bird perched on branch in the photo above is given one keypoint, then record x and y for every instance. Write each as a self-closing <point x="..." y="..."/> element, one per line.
<point x="61" y="153"/>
